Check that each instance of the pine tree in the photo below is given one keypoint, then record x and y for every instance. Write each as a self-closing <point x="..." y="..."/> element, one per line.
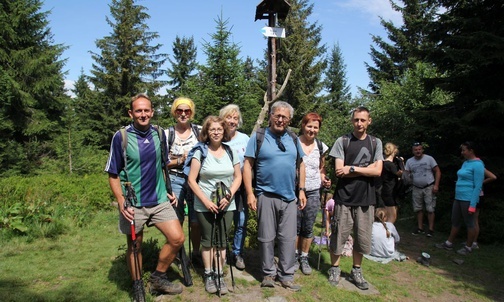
<point x="128" y="64"/>
<point x="221" y="80"/>
<point x="183" y="65"/>
<point x="408" y="42"/>
<point x="301" y="51"/>
<point x="31" y="86"/>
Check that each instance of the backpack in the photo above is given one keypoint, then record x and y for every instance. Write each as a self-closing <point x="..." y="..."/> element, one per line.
<point x="346" y="142"/>
<point x="402" y="187"/>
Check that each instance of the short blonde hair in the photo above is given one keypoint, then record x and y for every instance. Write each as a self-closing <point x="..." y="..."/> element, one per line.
<point x="229" y="110"/>
<point x="183" y="101"/>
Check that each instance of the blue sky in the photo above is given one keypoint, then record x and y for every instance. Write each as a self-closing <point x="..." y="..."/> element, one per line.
<point x="350" y="23"/>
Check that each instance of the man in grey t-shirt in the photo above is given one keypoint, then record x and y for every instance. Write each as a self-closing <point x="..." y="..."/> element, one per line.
<point x="424" y="174"/>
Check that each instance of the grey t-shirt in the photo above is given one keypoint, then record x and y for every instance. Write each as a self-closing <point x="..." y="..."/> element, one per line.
<point x="421" y="170"/>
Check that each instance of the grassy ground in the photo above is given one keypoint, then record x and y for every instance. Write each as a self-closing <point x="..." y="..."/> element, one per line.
<point x="88" y="265"/>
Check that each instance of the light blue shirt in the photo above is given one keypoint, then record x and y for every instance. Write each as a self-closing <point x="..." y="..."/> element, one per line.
<point x="239" y="144"/>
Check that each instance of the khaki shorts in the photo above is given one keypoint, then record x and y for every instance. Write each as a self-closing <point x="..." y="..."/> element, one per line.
<point x="346" y="219"/>
<point x="150" y="216"/>
<point x="421" y="196"/>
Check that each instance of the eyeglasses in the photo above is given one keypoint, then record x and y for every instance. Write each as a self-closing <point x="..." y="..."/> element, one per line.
<point x="280" y="144"/>
<point x="279" y="116"/>
<point x="218" y="130"/>
<point x="185" y="111"/>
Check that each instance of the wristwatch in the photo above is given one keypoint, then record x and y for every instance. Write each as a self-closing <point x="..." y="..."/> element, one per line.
<point x="352" y="169"/>
<point x="302" y="189"/>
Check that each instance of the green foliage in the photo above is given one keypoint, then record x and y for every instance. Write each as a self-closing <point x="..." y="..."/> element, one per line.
<point x="44" y="206"/>
<point x="31" y="86"/>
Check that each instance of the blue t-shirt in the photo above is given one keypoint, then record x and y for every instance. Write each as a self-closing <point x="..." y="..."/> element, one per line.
<point x="275" y="169"/>
<point x="469" y="181"/>
<point x="144" y="166"/>
<point x="239" y="144"/>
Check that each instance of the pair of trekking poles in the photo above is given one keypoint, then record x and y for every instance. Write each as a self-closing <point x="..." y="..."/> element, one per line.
<point x="221" y="191"/>
<point x="322" y="227"/>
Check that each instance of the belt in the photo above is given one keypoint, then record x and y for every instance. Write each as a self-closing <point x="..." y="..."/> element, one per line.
<point x="178" y="174"/>
<point x="425" y="186"/>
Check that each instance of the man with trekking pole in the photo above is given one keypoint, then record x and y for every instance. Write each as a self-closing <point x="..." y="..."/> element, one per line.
<point x="135" y="170"/>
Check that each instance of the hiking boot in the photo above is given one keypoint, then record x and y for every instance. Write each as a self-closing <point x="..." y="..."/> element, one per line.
<point x="268" y="281"/>
<point x="358" y="279"/>
<point x="475" y="246"/>
<point x="430" y="233"/>
<point x="334" y="275"/>
<point x="445" y="246"/>
<point x="138" y="291"/>
<point x="304" y="265"/>
<point x="210" y="285"/>
<point x="223" y="286"/>
<point x="239" y="263"/>
<point x="161" y="285"/>
<point x="418" y="232"/>
<point x="464" y="251"/>
<point x="290" y="285"/>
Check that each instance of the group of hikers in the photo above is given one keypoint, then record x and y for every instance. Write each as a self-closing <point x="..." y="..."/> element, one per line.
<point x="219" y="174"/>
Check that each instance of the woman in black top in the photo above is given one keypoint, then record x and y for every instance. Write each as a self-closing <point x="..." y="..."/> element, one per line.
<point x="393" y="167"/>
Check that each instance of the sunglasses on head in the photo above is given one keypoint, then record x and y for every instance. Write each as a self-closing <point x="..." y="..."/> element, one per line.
<point x="185" y="111"/>
<point x="416" y="144"/>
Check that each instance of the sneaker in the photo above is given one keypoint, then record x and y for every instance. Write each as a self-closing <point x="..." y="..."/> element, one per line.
<point x="418" y="232"/>
<point x="444" y="246"/>
<point x="475" y="246"/>
<point x="304" y="265"/>
<point x="239" y="263"/>
<point x="210" y="285"/>
<point x="334" y="275"/>
<point x="268" y="281"/>
<point x="160" y="284"/>
<point x="464" y="251"/>
<point x="358" y="279"/>
<point x="290" y="285"/>
<point x="430" y="233"/>
<point x="138" y="291"/>
<point x="223" y="286"/>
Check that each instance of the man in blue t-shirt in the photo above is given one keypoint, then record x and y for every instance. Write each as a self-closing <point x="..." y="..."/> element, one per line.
<point x="358" y="161"/>
<point x="143" y="168"/>
<point x="275" y="177"/>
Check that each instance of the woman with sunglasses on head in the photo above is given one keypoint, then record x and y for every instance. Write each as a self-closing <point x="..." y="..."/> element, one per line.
<point x="213" y="163"/>
<point x="467" y="191"/>
<point x="180" y="139"/>
<point x="316" y="179"/>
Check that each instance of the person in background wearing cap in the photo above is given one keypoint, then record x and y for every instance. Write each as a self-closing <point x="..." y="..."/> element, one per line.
<point x="425" y="176"/>
<point x="180" y="139"/>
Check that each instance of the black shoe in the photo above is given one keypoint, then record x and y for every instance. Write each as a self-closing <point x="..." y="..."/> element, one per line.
<point x="138" y="291"/>
<point x="430" y="233"/>
<point x="160" y="284"/>
<point x="418" y="232"/>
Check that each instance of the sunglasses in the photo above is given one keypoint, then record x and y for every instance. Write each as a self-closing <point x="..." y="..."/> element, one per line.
<point x="416" y="144"/>
<point x="185" y="111"/>
<point x="280" y="144"/>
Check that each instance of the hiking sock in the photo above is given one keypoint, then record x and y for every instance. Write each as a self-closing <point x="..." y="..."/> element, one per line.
<point x="208" y="271"/>
<point x="468" y="248"/>
<point x="356" y="267"/>
<point x="303" y="254"/>
<point x="448" y="243"/>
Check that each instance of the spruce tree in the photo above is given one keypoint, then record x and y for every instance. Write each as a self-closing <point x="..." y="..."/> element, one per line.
<point x="31" y="86"/>
<point x="129" y="63"/>
<point x="183" y="65"/>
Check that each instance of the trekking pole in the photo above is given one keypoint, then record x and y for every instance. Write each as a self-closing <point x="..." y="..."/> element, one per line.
<point x="324" y="197"/>
<point x="130" y="196"/>
<point x="215" y="245"/>
<point x="224" y="191"/>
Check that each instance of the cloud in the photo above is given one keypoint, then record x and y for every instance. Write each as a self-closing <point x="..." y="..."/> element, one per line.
<point x="374" y="9"/>
<point x="69" y="85"/>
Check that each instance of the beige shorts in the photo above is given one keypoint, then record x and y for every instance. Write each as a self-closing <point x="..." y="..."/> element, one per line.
<point x="423" y="196"/>
<point x="150" y="216"/>
<point x="347" y="219"/>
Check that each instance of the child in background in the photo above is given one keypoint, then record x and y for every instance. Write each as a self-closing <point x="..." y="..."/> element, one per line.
<point x="328" y="212"/>
<point x="384" y="236"/>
